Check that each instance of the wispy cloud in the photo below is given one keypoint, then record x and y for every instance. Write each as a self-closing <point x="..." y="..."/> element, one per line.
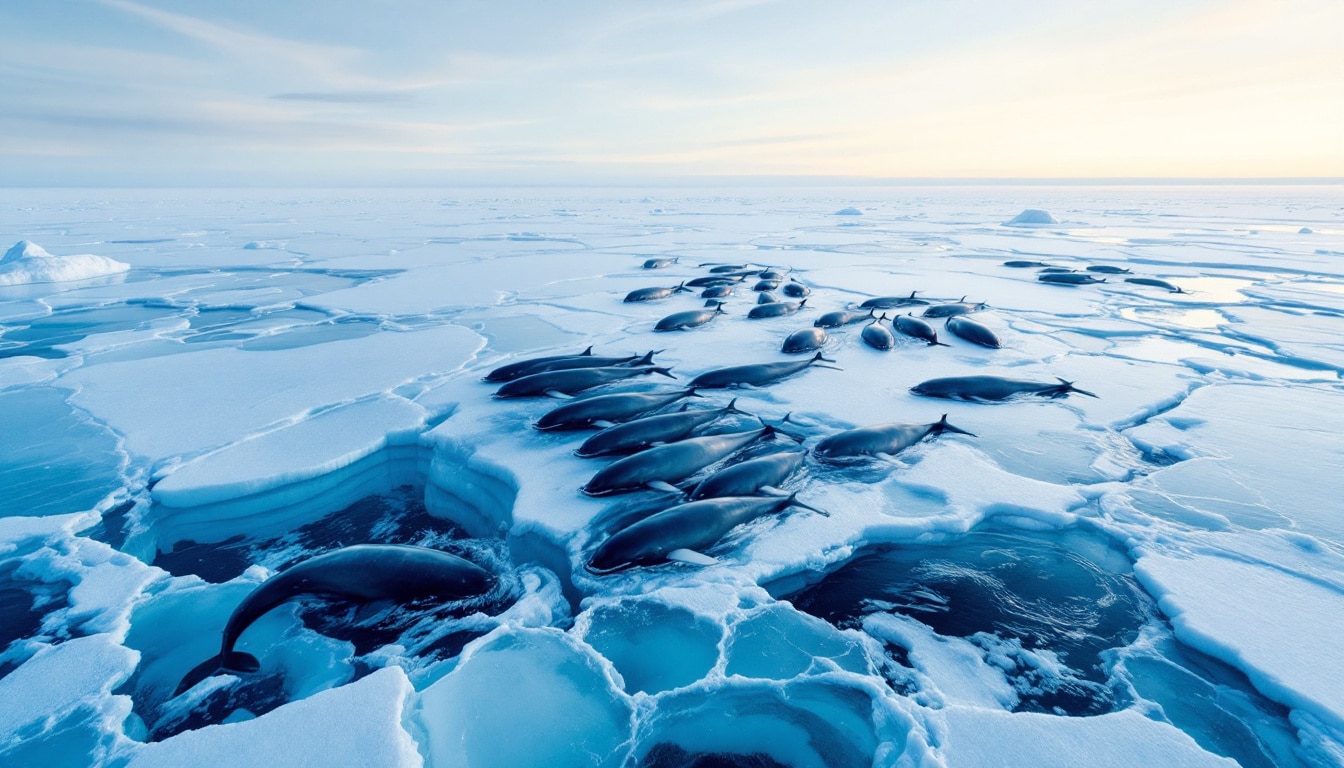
<point x="347" y="97"/>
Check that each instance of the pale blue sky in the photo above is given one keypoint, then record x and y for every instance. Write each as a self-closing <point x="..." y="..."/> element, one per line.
<point x="424" y="91"/>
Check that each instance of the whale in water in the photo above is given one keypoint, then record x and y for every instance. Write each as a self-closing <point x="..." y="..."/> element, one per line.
<point x="362" y="573"/>
<point x="841" y="318"/>
<point x="992" y="388"/>
<point x="1154" y="282"/>
<point x="682" y="533"/>
<point x="876" y="335"/>
<point x="653" y="294"/>
<point x="916" y="328"/>
<point x="804" y="340"/>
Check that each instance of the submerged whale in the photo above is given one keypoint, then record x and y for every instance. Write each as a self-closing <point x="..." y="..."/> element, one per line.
<point x="363" y="573"/>
<point x="604" y="410"/>
<point x="796" y="289"/>
<point x="683" y="532"/>
<point x="955" y="308"/>
<point x="662" y="465"/>
<point x="660" y="263"/>
<point x="1069" y="278"/>
<point x="992" y="388"/>
<point x="880" y="439"/>
<point x="775" y="309"/>
<point x="756" y="374"/>
<point x="590" y="361"/>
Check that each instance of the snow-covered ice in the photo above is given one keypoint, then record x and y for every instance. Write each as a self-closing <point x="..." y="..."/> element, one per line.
<point x="1151" y="577"/>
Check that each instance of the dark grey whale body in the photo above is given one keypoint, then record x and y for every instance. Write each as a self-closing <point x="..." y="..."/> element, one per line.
<point x="519" y="369"/>
<point x="573" y="381"/>
<point x="796" y="289"/>
<point x="590" y="361"/>
<point x="682" y="532"/>
<point x="750" y="476"/>
<point x="1107" y="269"/>
<point x="690" y="318"/>
<point x="642" y="433"/>
<point x="992" y="388"/>
<point x="876" y="335"/>
<point x="653" y="294"/>
<point x="972" y="331"/>
<point x="841" y="318"/>
<point x="916" y="328"/>
<point x="804" y="340"/>
<point x="616" y="407"/>
<point x="1154" y="282"/>
<point x="660" y="263"/>
<point x="892" y="302"/>
<point x="880" y="438"/>
<point x="670" y="463"/>
<point x="775" y="309"/>
<point x="756" y="375"/>
<point x="363" y="573"/>
<point x="1069" y="278"/>
<point x="954" y="308"/>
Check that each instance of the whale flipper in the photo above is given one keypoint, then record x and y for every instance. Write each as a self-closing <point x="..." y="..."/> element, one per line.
<point x="665" y="487"/>
<point x="691" y="557"/>
<point x="234" y="661"/>
<point x="558" y="395"/>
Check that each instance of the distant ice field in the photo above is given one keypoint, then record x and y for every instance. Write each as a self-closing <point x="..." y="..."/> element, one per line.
<point x="1154" y="576"/>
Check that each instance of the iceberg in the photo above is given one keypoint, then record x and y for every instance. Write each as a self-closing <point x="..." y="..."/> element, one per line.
<point x="27" y="262"/>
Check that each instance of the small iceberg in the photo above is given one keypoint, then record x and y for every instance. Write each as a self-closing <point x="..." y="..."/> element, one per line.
<point x="1304" y="231"/>
<point x="1031" y="217"/>
<point x="27" y="262"/>
<point x="848" y="212"/>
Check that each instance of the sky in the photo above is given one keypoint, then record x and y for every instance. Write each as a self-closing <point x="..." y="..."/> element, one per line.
<point x="151" y="92"/>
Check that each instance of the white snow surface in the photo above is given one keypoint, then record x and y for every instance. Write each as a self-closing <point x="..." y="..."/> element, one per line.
<point x="27" y="262"/>
<point x="276" y="359"/>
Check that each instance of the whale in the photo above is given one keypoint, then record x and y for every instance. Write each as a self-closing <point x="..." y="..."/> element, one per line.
<point x="766" y="297"/>
<point x="954" y="308"/>
<point x="842" y="318"/>
<point x="988" y="389"/>
<point x="515" y="370"/>
<point x="1068" y="278"/>
<point x="774" y="274"/>
<point x="766" y="285"/>
<point x="690" y="318"/>
<point x="591" y="361"/>
<point x="660" y="263"/>
<point x="1024" y="264"/>
<point x="916" y="328"/>
<point x="361" y="573"/>
<point x="716" y="292"/>
<point x="750" y="477"/>
<point x="1154" y="282"/>
<point x="755" y="374"/>
<point x="880" y="439"/>
<point x="892" y="302"/>
<point x="571" y="382"/>
<point x="712" y="280"/>
<point x="1107" y="269"/>
<point x="605" y="410"/>
<point x="721" y="268"/>
<point x="804" y="340"/>
<point x="653" y="294"/>
<point x="877" y="336"/>
<point x="796" y="290"/>
<point x="662" y="465"/>
<point x="642" y="433"/>
<point x="683" y="533"/>
<point x="1056" y="270"/>
<point x="775" y="309"/>
<point x="972" y="331"/>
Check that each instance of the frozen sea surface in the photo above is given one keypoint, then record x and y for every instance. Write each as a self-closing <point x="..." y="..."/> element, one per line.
<point x="1151" y="577"/>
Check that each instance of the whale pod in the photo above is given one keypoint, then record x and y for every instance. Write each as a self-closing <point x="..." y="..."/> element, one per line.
<point x="992" y="388"/>
<point x="972" y="331"/>
<point x="641" y="433"/>
<point x="880" y="439"/>
<point x="573" y="381"/>
<point x="362" y="573"/>
<point x="683" y="532"/>
<point x="666" y="464"/>
<point x="613" y="408"/>
<point x="756" y="374"/>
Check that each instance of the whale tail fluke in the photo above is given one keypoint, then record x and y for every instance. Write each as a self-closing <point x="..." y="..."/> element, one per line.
<point x="937" y="343"/>
<point x="662" y="371"/>
<point x="691" y="392"/>
<point x="235" y="662"/>
<point x="732" y="408"/>
<point x="681" y="288"/>
<point x="1065" y="387"/>
<point x="942" y="426"/>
